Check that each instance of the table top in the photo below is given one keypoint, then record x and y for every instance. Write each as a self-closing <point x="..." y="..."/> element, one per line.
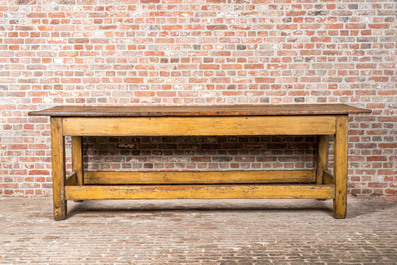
<point x="196" y="111"/>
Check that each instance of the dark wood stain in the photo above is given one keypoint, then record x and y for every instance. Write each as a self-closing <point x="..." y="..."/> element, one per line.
<point x="196" y="111"/>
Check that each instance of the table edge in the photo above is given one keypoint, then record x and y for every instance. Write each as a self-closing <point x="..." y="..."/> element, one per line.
<point x="228" y="113"/>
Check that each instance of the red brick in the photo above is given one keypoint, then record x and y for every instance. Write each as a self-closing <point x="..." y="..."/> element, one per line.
<point x="154" y="53"/>
<point x="253" y="66"/>
<point x="321" y="39"/>
<point x="209" y="66"/>
<point x="376" y="158"/>
<point x="231" y="66"/>
<point x="172" y="27"/>
<point x="217" y="27"/>
<point x="149" y="1"/>
<point x="39" y="172"/>
<point x="379" y="78"/>
<point x="133" y="80"/>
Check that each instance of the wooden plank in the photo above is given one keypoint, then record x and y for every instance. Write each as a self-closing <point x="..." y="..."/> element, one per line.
<point x="340" y="167"/>
<point x="190" y="111"/>
<point x="58" y="169"/>
<point x="181" y="126"/>
<point x="77" y="158"/>
<point x="72" y="180"/>
<point x="198" y="177"/>
<point x="328" y="178"/>
<point x="322" y="157"/>
<point x="201" y="192"/>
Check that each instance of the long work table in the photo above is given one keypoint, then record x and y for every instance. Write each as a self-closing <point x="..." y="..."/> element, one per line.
<point x="320" y="120"/>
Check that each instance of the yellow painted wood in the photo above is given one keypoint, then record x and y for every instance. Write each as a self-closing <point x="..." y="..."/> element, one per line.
<point x="58" y="169"/>
<point x="198" y="177"/>
<point x="77" y="158"/>
<point x="340" y="167"/>
<point x="322" y="157"/>
<point x="180" y="126"/>
<point x="72" y="180"/>
<point x="201" y="192"/>
<point x="328" y="178"/>
<point x="243" y="184"/>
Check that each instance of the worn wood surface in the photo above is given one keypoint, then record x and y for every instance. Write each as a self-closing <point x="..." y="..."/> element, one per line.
<point x="199" y="177"/>
<point x="183" y="126"/>
<point x="71" y="180"/>
<point x="190" y="111"/>
<point x="77" y="158"/>
<point x="328" y="178"/>
<point x="322" y="157"/>
<point x="58" y="169"/>
<point x="322" y="120"/>
<point x="201" y="192"/>
<point x="340" y="167"/>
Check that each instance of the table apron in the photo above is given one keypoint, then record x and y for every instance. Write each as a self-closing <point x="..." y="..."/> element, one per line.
<point x="200" y="126"/>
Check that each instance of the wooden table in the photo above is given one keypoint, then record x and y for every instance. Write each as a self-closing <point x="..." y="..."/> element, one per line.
<point x="321" y="120"/>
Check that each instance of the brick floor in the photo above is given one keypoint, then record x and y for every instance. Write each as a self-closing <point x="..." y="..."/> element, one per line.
<point x="199" y="232"/>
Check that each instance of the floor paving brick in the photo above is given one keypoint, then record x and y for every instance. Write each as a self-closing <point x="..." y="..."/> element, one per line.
<point x="199" y="232"/>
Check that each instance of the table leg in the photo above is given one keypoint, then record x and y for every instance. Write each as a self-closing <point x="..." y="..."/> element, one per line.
<point x="58" y="168"/>
<point x="340" y="167"/>
<point x="322" y="157"/>
<point x="77" y="158"/>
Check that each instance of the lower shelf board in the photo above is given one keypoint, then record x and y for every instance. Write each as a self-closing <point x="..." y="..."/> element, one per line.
<point x="249" y="191"/>
<point x="197" y="177"/>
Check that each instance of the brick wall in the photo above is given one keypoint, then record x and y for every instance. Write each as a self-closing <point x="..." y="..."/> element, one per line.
<point x="185" y="52"/>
